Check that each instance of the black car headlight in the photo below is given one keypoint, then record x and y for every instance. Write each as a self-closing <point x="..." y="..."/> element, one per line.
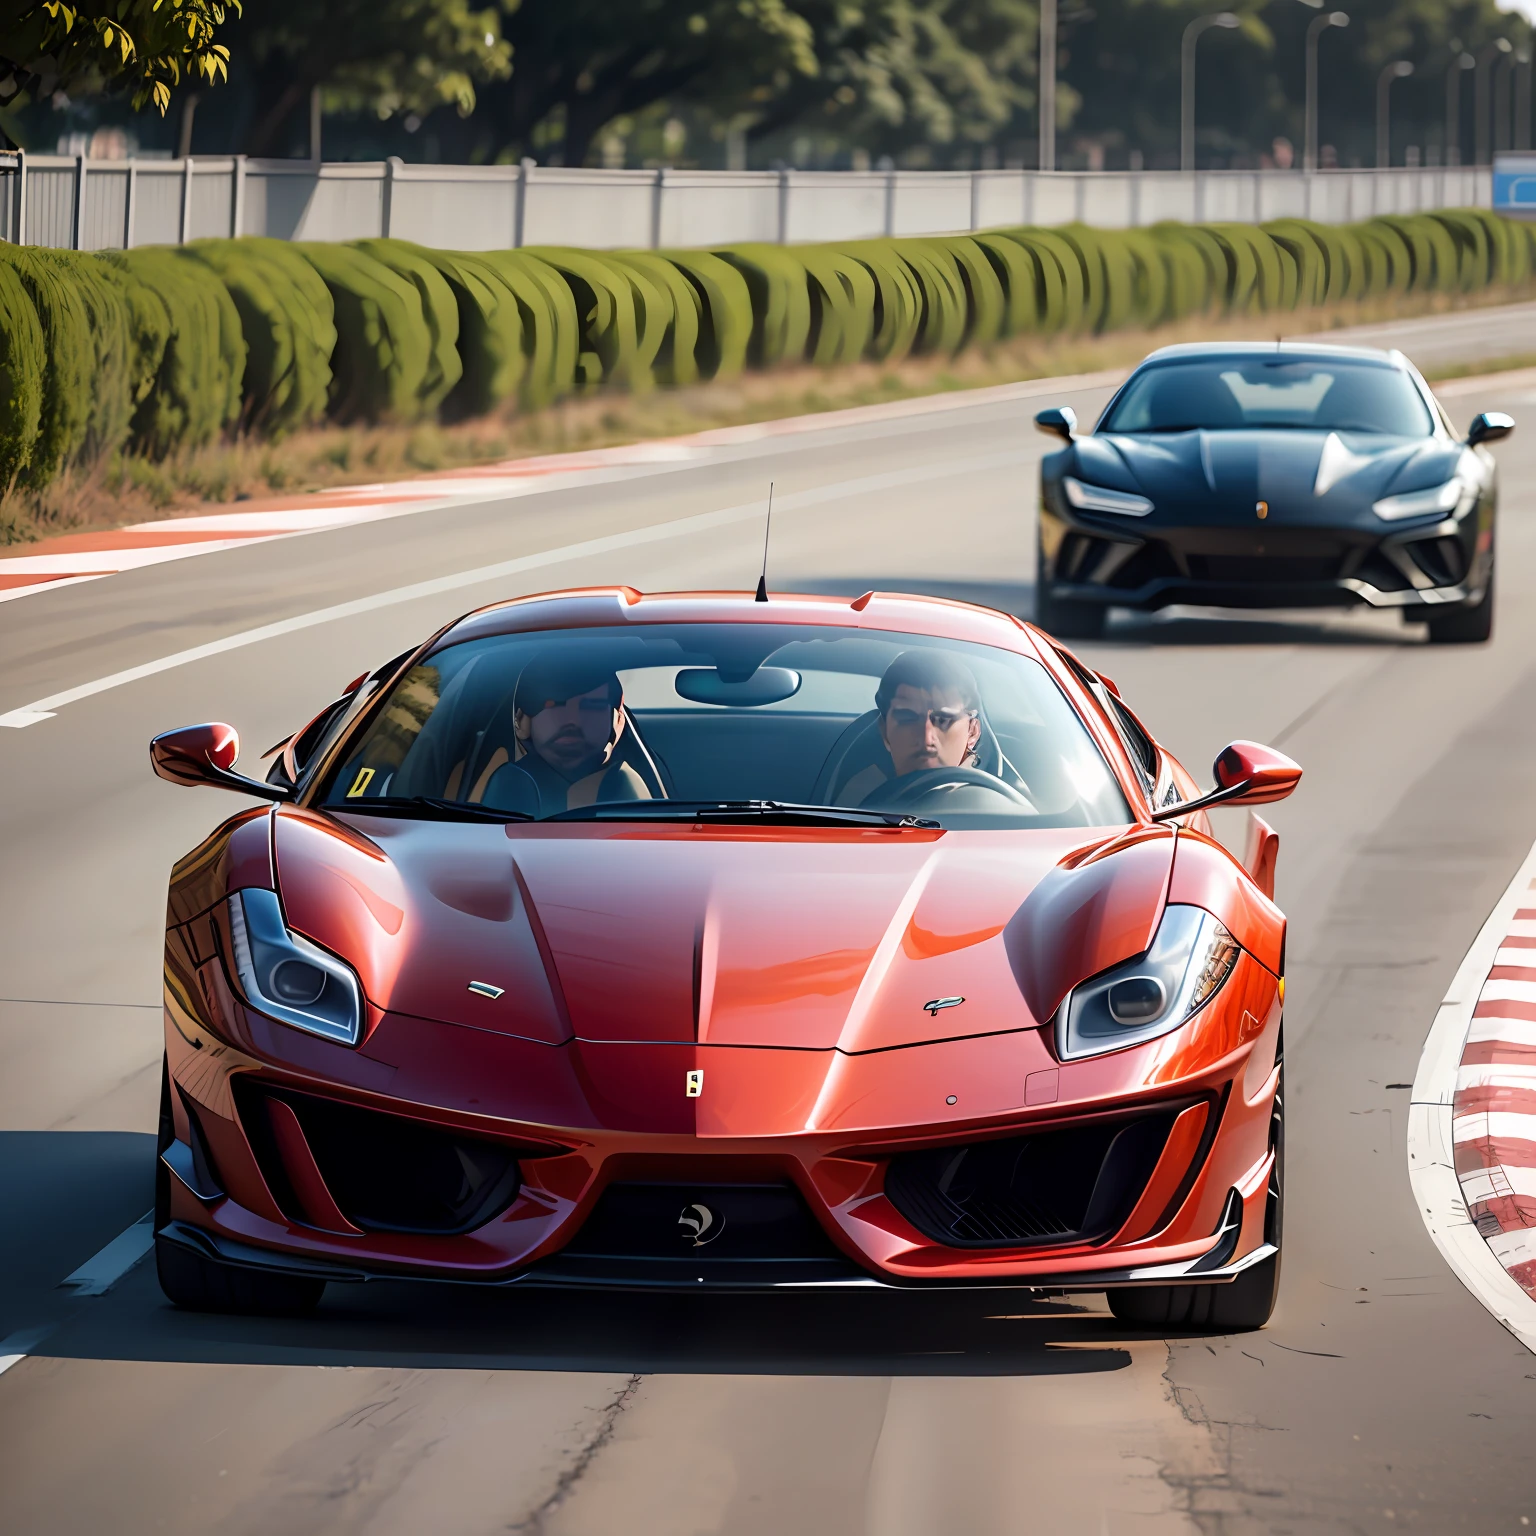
<point x="287" y="977"/>
<point x="1454" y="496"/>
<point x="1099" y="498"/>
<point x="1191" y="956"/>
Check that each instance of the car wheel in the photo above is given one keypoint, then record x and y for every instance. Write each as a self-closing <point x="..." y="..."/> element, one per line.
<point x="204" y="1285"/>
<point x="1065" y="619"/>
<point x="1239" y="1306"/>
<point x="1464" y="626"/>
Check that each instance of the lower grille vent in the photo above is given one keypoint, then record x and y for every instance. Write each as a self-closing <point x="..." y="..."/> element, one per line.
<point x="1072" y="1185"/>
<point x="387" y="1173"/>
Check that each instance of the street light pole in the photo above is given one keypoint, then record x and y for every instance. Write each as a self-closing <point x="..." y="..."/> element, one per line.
<point x="1480" y="105"/>
<point x="1459" y="62"/>
<point x="1187" y="77"/>
<point x="1400" y="69"/>
<point x="1523" y="100"/>
<point x="1047" y="85"/>
<point x="1315" y="29"/>
<point x="1503" y="71"/>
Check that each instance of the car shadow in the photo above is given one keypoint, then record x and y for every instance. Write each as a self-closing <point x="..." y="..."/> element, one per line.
<point x="84" y="1188"/>
<point x="1172" y="626"/>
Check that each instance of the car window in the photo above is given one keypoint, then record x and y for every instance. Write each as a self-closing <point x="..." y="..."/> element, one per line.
<point x="1220" y="394"/>
<point x="560" y="722"/>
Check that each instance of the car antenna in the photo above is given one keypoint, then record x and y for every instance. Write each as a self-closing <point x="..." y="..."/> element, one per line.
<point x="762" y="581"/>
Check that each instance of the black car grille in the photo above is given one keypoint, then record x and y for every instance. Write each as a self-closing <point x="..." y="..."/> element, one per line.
<point x="1065" y="1186"/>
<point x="385" y="1172"/>
<point x="1265" y="570"/>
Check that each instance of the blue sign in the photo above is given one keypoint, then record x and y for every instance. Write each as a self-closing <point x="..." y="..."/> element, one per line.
<point x="1514" y="185"/>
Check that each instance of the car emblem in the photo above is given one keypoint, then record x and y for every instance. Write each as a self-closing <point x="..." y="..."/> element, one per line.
<point x="932" y="1009"/>
<point x="1263" y="510"/>
<point x="701" y="1224"/>
<point x="485" y="989"/>
<point x="693" y="1083"/>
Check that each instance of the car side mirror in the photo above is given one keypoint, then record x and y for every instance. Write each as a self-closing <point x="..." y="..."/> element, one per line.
<point x="205" y="754"/>
<point x="1058" y="421"/>
<point x="1489" y="427"/>
<point x="1246" y="774"/>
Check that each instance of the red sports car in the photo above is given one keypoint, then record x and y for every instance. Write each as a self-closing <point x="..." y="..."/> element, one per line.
<point x="695" y="940"/>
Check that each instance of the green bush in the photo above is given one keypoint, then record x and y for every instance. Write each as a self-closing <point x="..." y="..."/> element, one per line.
<point x="164" y="349"/>
<point x="23" y="375"/>
<point x="439" y="310"/>
<point x="189" y="333"/>
<point x="383" y="358"/>
<point x="288" y="320"/>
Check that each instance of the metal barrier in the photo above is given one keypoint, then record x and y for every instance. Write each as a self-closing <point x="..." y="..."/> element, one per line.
<point x="85" y="204"/>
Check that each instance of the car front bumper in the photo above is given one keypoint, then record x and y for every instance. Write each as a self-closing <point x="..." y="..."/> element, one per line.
<point x="1419" y="570"/>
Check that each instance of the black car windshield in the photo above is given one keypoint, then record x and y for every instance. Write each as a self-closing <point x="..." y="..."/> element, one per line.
<point x="1233" y="394"/>
<point x="729" y="721"/>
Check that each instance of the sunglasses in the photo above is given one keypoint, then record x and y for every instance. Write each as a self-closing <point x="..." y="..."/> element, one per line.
<point x="942" y="720"/>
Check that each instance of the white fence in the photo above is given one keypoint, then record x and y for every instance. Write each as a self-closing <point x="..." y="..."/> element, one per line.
<point x="86" y="204"/>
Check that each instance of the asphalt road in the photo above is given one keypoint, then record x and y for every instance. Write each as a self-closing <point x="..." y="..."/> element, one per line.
<point x="1382" y="1395"/>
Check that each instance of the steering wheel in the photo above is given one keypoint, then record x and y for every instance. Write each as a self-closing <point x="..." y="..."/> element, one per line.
<point x="917" y="786"/>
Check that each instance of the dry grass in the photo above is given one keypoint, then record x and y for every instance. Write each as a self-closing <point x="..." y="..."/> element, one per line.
<point x="132" y="489"/>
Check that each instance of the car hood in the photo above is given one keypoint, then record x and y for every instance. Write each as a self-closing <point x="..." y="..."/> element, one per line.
<point x="724" y="936"/>
<point x="1300" y="474"/>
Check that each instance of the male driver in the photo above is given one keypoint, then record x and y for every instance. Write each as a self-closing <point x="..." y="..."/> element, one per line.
<point x="930" y="717"/>
<point x="568" y="716"/>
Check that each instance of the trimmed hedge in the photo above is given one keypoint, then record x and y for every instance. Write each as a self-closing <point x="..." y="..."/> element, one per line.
<point x="161" y="350"/>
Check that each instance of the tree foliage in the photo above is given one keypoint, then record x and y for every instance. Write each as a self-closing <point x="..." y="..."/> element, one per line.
<point x="379" y="57"/>
<point x="143" y="46"/>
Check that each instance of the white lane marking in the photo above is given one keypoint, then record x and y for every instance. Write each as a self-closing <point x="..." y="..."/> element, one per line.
<point x="17" y="1346"/>
<point x="103" y="1270"/>
<point x="45" y="709"/>
<point x="1431" y="1139"/>
<point x="103" y="562"/>
<point x="7" y="593"/>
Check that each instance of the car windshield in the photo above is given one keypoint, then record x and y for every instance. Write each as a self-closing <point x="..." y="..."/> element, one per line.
<point x="782" y="723"/>
<point x="1233" y="394"/>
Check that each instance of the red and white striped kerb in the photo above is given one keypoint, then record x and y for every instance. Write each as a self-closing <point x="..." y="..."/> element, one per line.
<point x="1494" y="1115"/>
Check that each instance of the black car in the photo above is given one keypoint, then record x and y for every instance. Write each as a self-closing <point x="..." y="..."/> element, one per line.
<point x="1270" y="476"/>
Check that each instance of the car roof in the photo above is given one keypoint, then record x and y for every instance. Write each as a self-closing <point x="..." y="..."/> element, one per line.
<point x="1300" y="351"/>
<point x="596" y="607"/>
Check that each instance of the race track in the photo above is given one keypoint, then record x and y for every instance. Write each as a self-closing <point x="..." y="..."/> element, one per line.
<point x="1383" y="1395"/>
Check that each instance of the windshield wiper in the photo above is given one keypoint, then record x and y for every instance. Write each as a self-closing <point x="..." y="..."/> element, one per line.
<point x="431" y="807"/>
<point x="774" y="812"/>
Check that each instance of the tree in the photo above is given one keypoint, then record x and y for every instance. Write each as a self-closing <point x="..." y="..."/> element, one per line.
<point x="882" y="73"/>
<point x="377" y="56"/>
<point x="143" y="46"/>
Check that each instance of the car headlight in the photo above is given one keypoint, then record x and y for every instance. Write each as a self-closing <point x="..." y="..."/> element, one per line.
<point x="1437" y="499"/>
<point x="1097" y="498"/>
<point x="1191" y="956"/>
<point x="289" y="978"/>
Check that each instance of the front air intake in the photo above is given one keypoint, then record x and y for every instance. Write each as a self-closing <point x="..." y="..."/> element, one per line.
<point x="1073" y="1185"/>
<point x="386" y="1173"/>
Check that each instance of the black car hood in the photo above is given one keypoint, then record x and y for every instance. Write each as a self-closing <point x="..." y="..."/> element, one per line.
<point x="1297" y="472"/>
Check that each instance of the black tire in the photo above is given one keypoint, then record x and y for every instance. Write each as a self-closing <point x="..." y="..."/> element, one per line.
<point x="1239" y="1306"/>
<point x="1066" y="619"/>
<point x="1464" y="626"/>
<point x="204" y="1285"/>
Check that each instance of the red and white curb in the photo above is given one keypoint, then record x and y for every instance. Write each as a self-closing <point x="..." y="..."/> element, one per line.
<point x="1472" y="1120"/>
